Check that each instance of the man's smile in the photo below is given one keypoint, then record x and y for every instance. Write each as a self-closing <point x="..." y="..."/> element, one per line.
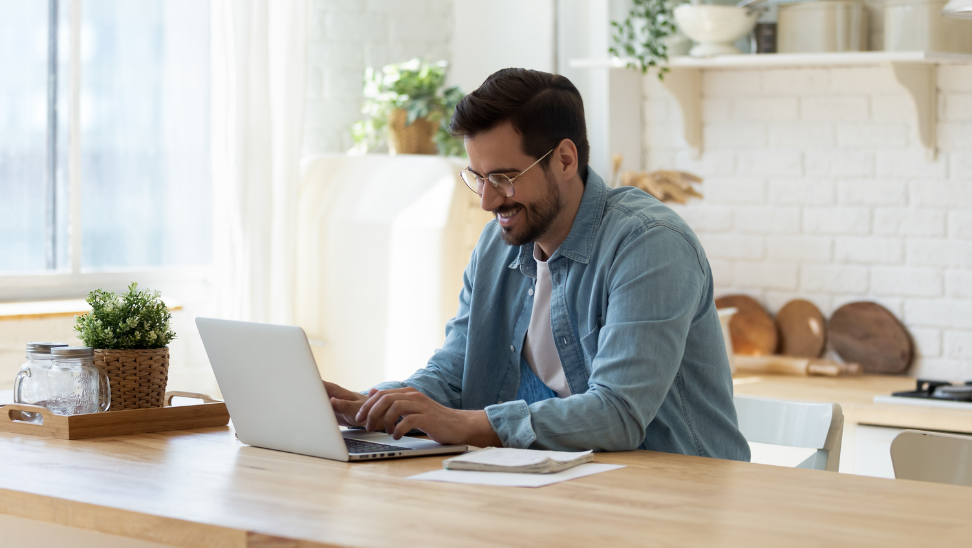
<point x="506" y="215"/>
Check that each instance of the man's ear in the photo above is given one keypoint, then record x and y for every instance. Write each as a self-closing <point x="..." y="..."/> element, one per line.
<point x="566" y="156"/>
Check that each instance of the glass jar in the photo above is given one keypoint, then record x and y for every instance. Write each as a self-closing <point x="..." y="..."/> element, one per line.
<point x="76" y="385"/>
<point x="31" y="383"/>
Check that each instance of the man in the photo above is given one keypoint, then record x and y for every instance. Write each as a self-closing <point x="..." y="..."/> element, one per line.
<point x="586" y="320"/>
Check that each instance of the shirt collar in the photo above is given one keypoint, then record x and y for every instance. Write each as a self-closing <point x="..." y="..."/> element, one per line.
<point x="579" y="244"/>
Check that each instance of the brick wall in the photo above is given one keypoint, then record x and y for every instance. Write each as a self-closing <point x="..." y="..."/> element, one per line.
<point x="345" y="36"/>
<point x="816" y="187"/>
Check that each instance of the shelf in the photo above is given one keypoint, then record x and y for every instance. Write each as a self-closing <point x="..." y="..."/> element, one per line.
<point x="914" y="71"/>
<point x="52" y="309"/>
<point x="796" y="60"/>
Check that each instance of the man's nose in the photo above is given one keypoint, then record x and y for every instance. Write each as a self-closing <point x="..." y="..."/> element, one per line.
<point x="491" y="198"/>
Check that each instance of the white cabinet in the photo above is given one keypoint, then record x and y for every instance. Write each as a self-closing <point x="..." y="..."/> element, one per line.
<point x="381" y="247"/>
<point x="867" y="450"/>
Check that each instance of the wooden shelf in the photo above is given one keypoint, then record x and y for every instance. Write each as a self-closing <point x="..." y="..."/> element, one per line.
<point x="914" y="71"/>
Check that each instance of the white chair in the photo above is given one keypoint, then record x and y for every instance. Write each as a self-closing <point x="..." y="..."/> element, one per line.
<point x="794" y="424"/>
<point x="932" y="456"/>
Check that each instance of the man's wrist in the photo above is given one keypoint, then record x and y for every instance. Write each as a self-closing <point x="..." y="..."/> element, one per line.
<point x="479" y="430"/>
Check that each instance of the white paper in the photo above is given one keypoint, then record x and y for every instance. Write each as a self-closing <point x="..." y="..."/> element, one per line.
<point x="508" y="479"/>
<point x="516" y="458"/>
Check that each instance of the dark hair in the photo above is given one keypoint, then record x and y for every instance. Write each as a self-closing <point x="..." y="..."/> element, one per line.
<point x="544" y="108"/>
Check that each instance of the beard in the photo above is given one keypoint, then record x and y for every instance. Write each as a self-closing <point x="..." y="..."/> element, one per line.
<point x="537" y="217"/>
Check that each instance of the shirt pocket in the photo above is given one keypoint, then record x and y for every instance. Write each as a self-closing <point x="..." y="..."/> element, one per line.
<point x="589" y="343"/>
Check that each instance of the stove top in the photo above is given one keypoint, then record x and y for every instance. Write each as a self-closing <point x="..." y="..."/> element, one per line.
<point x="939" y="390"/>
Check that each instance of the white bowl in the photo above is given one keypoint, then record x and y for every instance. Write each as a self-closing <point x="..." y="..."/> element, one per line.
<point x="715" y="28"/>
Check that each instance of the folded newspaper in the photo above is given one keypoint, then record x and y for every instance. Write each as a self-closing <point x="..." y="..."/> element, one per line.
<point x="528" y="461"/>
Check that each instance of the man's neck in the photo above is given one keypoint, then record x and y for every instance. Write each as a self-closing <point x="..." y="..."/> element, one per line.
<point x="560" y="228"/>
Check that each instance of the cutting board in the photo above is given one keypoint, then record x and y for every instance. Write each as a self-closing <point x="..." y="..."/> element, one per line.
<point x="752" y="330"/>
<point x="802" y="329"/>
<point x="867" y="333"/>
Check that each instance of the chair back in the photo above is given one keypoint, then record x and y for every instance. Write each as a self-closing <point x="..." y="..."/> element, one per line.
<point x="794" y="424"/>
<point x="932" y="456"/>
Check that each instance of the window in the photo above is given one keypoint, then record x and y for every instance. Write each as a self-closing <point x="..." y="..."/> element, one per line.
<point x="106" y="167"/>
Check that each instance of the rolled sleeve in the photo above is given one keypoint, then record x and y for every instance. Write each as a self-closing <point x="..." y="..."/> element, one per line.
<point x="512" y="423"/>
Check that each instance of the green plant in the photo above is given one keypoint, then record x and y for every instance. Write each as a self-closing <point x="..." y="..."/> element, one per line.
<point x="642" y="35"/>
<point x="137" y="319"/>
<point x="416" y="87"/>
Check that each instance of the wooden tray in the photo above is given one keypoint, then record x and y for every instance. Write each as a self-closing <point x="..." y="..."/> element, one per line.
<point x="116" y="423"/>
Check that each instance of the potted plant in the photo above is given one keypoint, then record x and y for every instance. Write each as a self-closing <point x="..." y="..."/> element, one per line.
<point x="129" y="333"/>
<point x="408" y="108"/>
<point x="646" y="34"/>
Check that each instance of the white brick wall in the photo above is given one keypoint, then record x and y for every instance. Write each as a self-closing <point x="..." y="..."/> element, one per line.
<point x="348" y="35"/>
<point x="816" y="187"/>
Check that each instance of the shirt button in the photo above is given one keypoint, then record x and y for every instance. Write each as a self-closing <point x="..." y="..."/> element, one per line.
<point x="512" y="348"/>
<point x="530" y="291"/>
<point x="565" y="341"/>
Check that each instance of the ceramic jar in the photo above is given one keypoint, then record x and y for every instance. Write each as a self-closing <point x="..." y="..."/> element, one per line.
<point x="918" y="25"/>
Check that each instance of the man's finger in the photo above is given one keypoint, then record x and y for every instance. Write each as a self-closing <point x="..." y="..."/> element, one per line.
<point x="374" y="396"/>
<point x="376" y="412"/>
<point x="365" y="408"/>
<point x="336" y="391"/>
<point x="399" y="408"/>
<point x="407" y="424"/>
<point x="345" y="407"/>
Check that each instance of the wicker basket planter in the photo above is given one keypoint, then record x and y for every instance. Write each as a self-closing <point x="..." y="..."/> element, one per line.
<point x="417" y="138"/>
<point x="137" y="377"/>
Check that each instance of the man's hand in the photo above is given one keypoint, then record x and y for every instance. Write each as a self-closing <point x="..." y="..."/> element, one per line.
<point x="345" y="403"/>
<point x="416" y="410"/>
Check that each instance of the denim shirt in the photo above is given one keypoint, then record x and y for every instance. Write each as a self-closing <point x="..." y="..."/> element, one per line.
<point x="635" y="325"/>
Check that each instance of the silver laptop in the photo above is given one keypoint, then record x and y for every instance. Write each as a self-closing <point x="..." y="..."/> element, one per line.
<point x="275" y="396"/>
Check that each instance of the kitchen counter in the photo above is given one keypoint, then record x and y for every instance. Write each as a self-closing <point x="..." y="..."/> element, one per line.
<point x="856" y="397"/>
<point x="204" y="489"/>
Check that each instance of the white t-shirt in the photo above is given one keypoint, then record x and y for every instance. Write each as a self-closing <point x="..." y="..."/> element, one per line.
<point x="538" y="348"/>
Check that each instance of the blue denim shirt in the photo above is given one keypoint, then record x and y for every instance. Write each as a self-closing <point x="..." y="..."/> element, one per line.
<point x="634" y="322"/>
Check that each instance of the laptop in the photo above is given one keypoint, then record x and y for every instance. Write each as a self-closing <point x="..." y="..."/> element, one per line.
<point x="276" y="398"/>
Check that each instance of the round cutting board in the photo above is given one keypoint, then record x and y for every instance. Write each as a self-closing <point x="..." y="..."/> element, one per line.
<point x="802" y="329"/>
<point x="869" y="334"/>
<point x="752" y="330"/>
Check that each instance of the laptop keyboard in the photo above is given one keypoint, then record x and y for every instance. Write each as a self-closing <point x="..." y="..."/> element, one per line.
<point x="358" y="446"/>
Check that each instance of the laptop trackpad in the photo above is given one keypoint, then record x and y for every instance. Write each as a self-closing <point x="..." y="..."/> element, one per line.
<point x="381" y="437"/>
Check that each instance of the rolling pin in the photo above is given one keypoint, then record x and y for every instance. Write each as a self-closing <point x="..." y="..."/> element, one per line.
<point x="790" y="365"/>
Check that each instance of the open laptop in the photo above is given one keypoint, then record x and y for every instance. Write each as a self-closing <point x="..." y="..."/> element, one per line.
<point x="275" y="396"/>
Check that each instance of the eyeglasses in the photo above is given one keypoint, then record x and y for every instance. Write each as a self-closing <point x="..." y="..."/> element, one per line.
<point x="500" y="182"/>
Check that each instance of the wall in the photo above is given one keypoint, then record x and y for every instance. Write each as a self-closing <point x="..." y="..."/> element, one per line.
<point x="816" y="187"/>
<point x="345" y="36"/>
<point x="189" y="368"/>
<point x="501" y="34"/>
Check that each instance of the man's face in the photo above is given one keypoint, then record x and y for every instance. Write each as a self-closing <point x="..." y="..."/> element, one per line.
<point x="536" y="200"/>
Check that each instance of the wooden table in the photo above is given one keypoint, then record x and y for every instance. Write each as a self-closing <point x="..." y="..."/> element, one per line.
<point x="204" y="489"/>
<point x="856" y="397"/>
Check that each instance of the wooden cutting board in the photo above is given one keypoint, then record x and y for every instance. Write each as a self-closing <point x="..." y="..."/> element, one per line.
<point x="752" y="330"/>
<point x="869" y="334"/>
<point x="802" y="329"/>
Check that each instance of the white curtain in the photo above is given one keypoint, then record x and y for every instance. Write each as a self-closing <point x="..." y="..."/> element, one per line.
<point x="258" y="64"/>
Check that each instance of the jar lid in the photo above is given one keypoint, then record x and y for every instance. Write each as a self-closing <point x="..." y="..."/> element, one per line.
<point x="72" y="352"/>
<point x="42" y="347"/>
